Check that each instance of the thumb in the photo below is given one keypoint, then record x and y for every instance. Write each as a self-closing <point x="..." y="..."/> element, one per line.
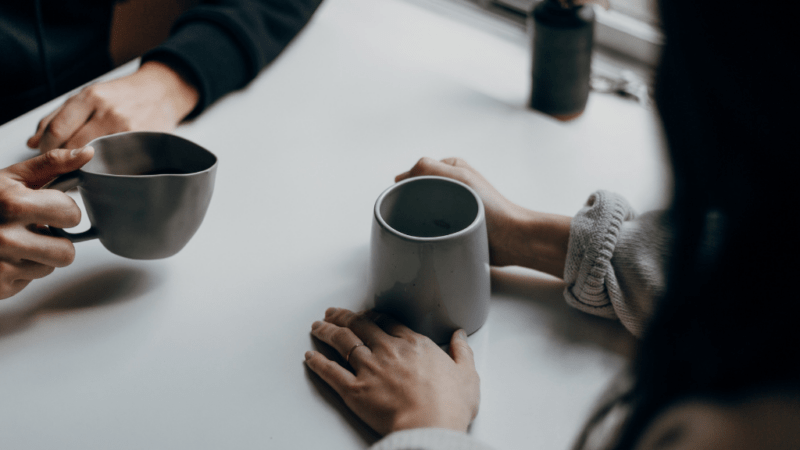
<point x="38" y="171"/>
<point x="460" y="349"/>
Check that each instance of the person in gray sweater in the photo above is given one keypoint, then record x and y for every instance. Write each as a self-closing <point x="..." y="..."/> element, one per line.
<point x="609" y="270"/>
<point x="707" y="286"/>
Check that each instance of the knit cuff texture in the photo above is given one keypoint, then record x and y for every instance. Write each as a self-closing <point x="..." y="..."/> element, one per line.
<point x="591" y="282"/>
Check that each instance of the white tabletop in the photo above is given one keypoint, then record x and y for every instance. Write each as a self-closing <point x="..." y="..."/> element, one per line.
<point x="204" y="350"/>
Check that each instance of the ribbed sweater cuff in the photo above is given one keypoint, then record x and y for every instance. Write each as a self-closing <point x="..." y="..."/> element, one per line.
<point x="429" y="439"/>
<point x="590" y="279"/>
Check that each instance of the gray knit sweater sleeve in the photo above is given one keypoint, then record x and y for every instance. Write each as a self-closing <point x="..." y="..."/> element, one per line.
<point x="616" y="261"/>
<point x="429" y="439"/>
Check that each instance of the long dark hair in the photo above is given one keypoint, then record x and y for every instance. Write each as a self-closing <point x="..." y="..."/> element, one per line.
<point x="727" y="94"/>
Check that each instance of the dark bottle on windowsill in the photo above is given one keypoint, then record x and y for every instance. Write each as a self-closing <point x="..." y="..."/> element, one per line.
<point x="563" y="36"/>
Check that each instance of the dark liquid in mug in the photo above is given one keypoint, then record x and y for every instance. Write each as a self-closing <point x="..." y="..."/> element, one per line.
<point x="166" y="171"/>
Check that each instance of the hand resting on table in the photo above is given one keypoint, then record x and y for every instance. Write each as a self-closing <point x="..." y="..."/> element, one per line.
<point x="155" y="98"/>
<point x="399" y="379"/>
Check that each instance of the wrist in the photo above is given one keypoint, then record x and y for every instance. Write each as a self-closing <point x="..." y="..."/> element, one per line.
<point x="536" y="240"/>
<point x="177" y="92"/>
<point x="447" y="420"/>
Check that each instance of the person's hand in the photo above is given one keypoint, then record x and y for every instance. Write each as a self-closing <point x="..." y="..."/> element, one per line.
<point x="155" y="98"/>
<point x="517" y="236"/>
<point x="501" y="214"/>
<point x="400" y="379"/>
<point x="27" y="251"/>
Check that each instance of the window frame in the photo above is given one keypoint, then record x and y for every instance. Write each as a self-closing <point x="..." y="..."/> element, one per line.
<point x="633" y="37"/>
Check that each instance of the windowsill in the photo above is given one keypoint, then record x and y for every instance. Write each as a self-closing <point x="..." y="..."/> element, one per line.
<point x="623" y="44"/>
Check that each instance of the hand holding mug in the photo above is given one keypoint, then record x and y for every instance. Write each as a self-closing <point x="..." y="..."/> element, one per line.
<point x="146" y="193"/>
<point x="517" y="236"/>
<point x="399" y="379"/>
<point x="27" y="251"/>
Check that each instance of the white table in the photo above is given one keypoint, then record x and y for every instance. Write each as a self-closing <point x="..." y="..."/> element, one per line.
<point x="204" y="350"/>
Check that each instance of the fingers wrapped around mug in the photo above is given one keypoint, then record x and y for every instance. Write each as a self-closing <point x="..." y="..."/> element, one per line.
<point x="397" y="379"/>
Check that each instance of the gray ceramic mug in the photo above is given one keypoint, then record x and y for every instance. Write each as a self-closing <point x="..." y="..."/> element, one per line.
<point x="146" y="193"/>
<point x="430" y="256"/>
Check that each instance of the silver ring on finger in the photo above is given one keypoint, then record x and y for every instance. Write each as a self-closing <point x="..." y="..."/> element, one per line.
<point x="350" y="352"/>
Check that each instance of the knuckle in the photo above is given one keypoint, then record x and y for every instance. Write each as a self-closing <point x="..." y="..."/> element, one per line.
<point x="391" y="352"/>
<point x="348" y="319"/>
<point x="369" y="365"/>
<point x="412" y="339"/>
<point x="404" y="352"/>
<point x="357" y="319"/>
<point x="424" y="164"/>
<point x="342" y="317"/>
<point x="10" y="207"/>
<point x="51" y="159"/>
<point x="418" y="341"/>
<point x="121" y="120"/>
<point x="57" y="129"/>
<point x="464" y="347"/>
<point x="92" y="93"/>
<point x="357" y="389"/>
<point x="336" y="314"/>
<point x="382" y="347"/>
<point x="339" y="335"/>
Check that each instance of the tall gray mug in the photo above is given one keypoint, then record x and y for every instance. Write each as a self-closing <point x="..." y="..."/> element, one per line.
<point x="146" y="193"/>
<point x="430" y="256"/>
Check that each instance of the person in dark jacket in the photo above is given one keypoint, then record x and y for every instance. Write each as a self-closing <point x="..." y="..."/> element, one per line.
<point x="50" y="47"/>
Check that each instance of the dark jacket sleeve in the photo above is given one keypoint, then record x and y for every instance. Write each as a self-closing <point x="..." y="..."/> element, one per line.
<point x="221" y="46"/>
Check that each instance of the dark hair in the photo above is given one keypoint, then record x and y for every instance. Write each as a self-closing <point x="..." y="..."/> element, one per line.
<point x="726" y="91"/>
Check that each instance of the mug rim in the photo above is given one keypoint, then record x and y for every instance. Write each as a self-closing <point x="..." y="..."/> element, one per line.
<point x="155" y="133"/>
<point x="479" y="217"/>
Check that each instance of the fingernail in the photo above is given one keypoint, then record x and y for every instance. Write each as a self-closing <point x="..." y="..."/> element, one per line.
<point x="309" y="355"/>
<point x="78" y="151"/>
<point x="330" y="311"/>
<point x="316" y="325"/>
<point x="462" y="334"/>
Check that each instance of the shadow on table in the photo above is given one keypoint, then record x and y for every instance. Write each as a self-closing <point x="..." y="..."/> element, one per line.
<point x="527" y="289"/>
<point x="96" y="288"/>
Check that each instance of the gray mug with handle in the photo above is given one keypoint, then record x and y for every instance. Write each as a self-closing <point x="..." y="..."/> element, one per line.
<point x="146" y="193"/>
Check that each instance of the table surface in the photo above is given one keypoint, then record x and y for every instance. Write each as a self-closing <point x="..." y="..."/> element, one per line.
<point x="204" y="350"/>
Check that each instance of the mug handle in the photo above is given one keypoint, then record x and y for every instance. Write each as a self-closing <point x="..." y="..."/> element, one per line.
<point x="64" y="183"/>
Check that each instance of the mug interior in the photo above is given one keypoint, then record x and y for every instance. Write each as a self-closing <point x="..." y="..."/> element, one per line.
<point x="429" y="207"/>
<point x="147" y="153"/>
